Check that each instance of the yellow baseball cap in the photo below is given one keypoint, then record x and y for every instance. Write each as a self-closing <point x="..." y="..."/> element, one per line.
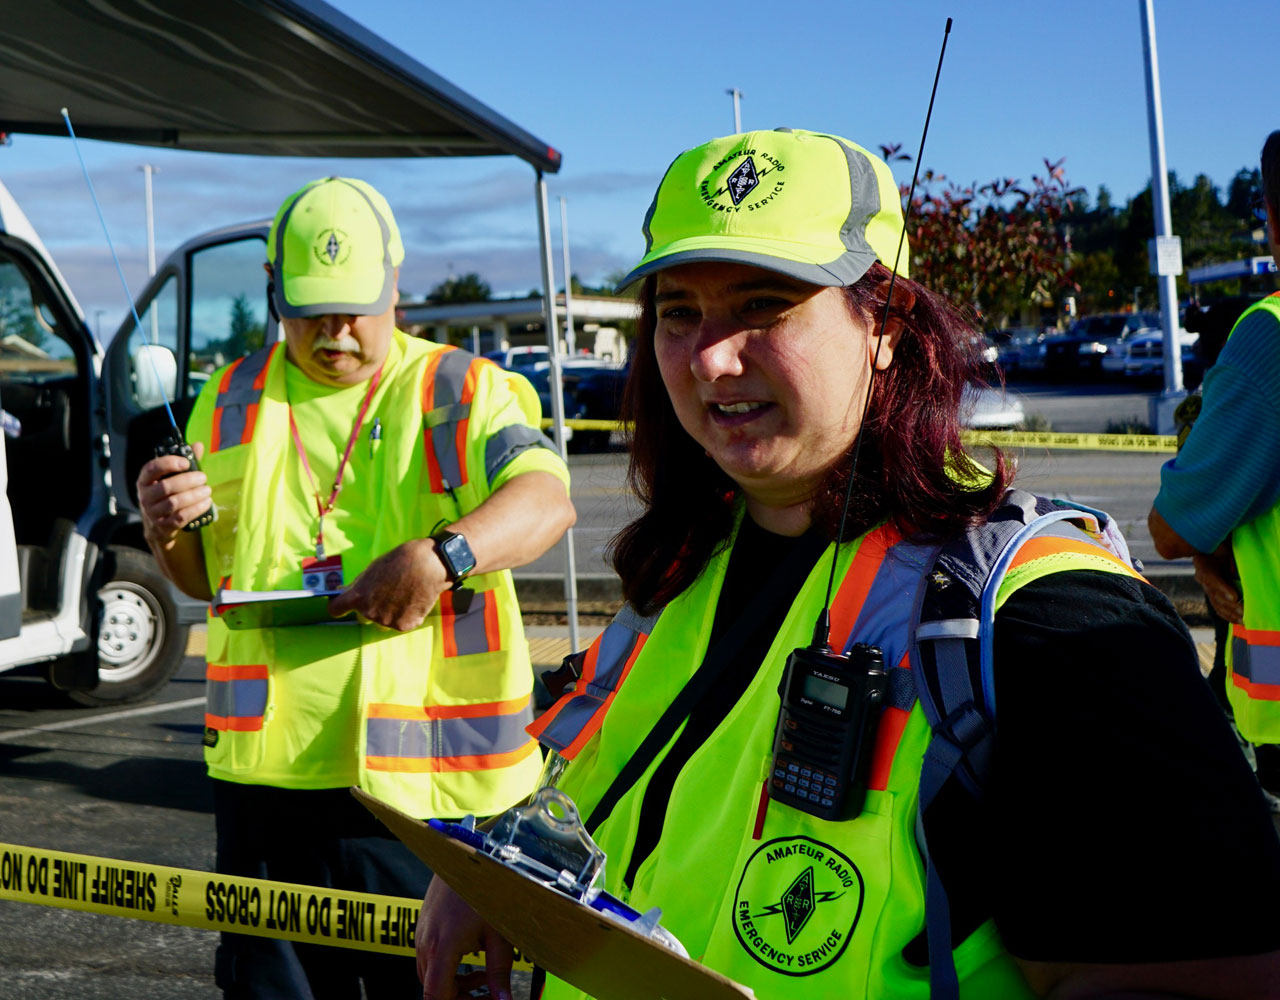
<point x="813" y="206"/>
<point x="334" y="247"/>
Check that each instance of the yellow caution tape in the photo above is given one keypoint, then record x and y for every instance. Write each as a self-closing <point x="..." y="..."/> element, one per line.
<point x="188" y="898"/>
<point x="1155" y="443"/>
<point x="583" y="424"/>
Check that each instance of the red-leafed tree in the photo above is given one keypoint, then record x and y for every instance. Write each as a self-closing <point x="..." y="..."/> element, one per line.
<point x="999" y="248"/>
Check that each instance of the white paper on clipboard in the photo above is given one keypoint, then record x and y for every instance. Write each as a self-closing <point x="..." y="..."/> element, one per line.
<point x="241" y="609"/>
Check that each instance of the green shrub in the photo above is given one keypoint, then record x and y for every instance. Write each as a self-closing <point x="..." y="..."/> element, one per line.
<point x="1129" y="425"/>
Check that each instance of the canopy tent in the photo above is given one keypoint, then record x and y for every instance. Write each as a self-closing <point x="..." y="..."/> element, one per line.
<point x="271" y="77"/>
<point x="263" y="77"/>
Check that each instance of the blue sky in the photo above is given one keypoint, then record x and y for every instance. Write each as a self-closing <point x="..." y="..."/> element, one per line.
<point x="621" y="88"/>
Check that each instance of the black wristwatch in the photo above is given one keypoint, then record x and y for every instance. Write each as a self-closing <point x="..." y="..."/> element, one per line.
<point x="455" y="553"/>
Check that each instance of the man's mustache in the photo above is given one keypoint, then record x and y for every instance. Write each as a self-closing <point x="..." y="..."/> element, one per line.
<point x="346" y="343"/>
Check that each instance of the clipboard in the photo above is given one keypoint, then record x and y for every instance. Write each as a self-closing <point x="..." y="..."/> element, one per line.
<point x="276" y="609"/>
<point x="605" y="959"/>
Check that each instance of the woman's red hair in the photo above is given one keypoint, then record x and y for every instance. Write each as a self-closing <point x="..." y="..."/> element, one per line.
<point x="912" y="468"/>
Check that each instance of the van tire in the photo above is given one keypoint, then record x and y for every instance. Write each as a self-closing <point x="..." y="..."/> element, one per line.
<point x="140" y="643"/>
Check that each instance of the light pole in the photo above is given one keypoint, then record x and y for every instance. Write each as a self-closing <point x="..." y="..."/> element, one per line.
<point x="737" y="110"/>
<point x="1166" y="250"/>
<point x="570" y="335"/>
<point x="147" y="170"/>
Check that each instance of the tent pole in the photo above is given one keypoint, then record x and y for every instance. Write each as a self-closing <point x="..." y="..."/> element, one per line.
<point x="557" y="392"/>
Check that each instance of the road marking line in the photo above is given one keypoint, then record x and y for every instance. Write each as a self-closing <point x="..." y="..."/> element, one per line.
<point x="88" y="720"/>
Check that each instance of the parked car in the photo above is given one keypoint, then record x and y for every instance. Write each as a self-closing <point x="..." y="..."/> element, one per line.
<point x="592" y="390"/>
<point x="521" y="359"/>
<point x="1081" y="350"/>
<point x="1145" y="356"/>
<point x="1016" y="349"/>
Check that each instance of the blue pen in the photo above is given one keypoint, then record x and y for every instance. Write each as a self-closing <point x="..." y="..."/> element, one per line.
<point x="457" y="831"/>
<point x="375" y="435"/>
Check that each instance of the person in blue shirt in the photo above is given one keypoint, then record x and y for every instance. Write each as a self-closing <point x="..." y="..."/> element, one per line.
<point x="1226" y="474"/>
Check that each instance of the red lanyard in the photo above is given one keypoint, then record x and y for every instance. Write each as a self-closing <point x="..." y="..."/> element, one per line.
<point x="327" y="507"/>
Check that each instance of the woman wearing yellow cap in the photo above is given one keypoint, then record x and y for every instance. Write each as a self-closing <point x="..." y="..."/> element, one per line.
<point x="789" y="737"/>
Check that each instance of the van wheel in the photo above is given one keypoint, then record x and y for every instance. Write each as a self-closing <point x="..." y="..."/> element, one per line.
<point x="140" y="643"/>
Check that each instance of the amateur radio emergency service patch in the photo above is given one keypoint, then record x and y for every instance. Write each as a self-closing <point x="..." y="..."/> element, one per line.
<point x="797" y="904"/>
<point x="331" y="247"/>
<point x="745" y="180"/>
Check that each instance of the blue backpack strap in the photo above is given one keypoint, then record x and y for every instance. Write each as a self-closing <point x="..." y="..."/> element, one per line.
<point x="952" y="657"/>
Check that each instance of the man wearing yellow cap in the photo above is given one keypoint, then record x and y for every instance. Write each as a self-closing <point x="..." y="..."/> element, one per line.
<point x="409" y="477"/>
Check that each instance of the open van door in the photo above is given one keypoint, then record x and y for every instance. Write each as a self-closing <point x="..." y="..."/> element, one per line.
<point x="205" y="307"/>
<point x="10" y="582"/>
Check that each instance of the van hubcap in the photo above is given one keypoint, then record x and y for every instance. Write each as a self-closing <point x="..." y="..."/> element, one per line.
<point x="131" y="632"/>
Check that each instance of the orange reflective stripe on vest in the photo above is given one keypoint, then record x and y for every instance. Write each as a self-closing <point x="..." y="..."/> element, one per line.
<point x="1255" y="662"/>
<point x="236" y="696"/>
<point x="469" y="622"/>
<point x="573" y="720"/>
<point x="436" y="738"/>
<point x="236" y="408"/>
<point x="846" y="606"/>
<point x="1048" y="545"/>
<point x="448" y="386"/>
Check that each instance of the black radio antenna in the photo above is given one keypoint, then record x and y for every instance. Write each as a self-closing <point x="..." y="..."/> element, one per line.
<point x="133" y="309"/>
<point x="822" y="627"/>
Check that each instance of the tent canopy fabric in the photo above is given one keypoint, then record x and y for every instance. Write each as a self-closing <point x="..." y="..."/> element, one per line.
<point x="265" y="77"/>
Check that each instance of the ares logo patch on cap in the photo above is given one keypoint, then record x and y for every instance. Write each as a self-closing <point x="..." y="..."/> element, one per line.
<point x="744" y="178"/>
<point x="331" y="247"/>
<point x="797" y="904"/>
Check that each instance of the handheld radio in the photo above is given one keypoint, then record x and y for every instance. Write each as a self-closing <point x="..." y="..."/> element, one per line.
<point x="831" y="701"/>
<point x="826" y="730"/>
<point x="173" y="444"/>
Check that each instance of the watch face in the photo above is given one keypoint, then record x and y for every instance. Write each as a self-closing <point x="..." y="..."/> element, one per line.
<point x="458" y="555"/>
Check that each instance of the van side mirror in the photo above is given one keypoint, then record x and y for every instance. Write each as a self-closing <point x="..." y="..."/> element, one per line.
<point x="155" y="375"/>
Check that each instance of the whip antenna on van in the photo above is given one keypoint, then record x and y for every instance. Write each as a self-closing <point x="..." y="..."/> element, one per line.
<point x="119" y="270"/>
<point x="822" y="628"/>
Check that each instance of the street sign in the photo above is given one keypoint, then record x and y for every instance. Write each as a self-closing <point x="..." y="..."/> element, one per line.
<point x="1165" y="253"/>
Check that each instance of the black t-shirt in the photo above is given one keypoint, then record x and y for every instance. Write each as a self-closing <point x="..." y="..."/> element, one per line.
<point x="1122" y="822"/>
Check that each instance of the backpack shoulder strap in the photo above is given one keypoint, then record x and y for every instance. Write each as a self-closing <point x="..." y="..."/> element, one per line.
<point x="952" y="657"/>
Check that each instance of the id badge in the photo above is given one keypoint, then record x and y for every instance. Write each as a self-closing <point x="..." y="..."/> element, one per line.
<point x="322" y="575"/>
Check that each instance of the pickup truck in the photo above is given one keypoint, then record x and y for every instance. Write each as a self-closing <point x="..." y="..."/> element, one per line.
<point x="82" y="601"/>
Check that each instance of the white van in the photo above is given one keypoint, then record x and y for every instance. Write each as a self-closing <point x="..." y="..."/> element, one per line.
<point x="81" y="598"/>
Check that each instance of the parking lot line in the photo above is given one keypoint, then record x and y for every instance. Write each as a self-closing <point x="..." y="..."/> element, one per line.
<point x="89" y="720"/>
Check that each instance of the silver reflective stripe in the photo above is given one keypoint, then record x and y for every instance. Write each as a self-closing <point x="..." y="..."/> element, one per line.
<point x="451" y="375"/>
<point x="232" y="403"/>
<point x="506" y="444"/>
<point x="884" y="619"/>
<point x="473" y="737"/>
<point x="239" y="699"/>
<point x="617" y="642"/>
<point x="1260" y="664"/>
<point x="570" y="721"/>
<point x="469" y="634"/>
<point x="951" y="628"/>
<point x="614" y="647"/>
<point x="447" y="414"/>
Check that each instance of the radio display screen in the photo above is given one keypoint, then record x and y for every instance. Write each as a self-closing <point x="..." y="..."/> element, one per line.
<point x="826" y="692"/>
